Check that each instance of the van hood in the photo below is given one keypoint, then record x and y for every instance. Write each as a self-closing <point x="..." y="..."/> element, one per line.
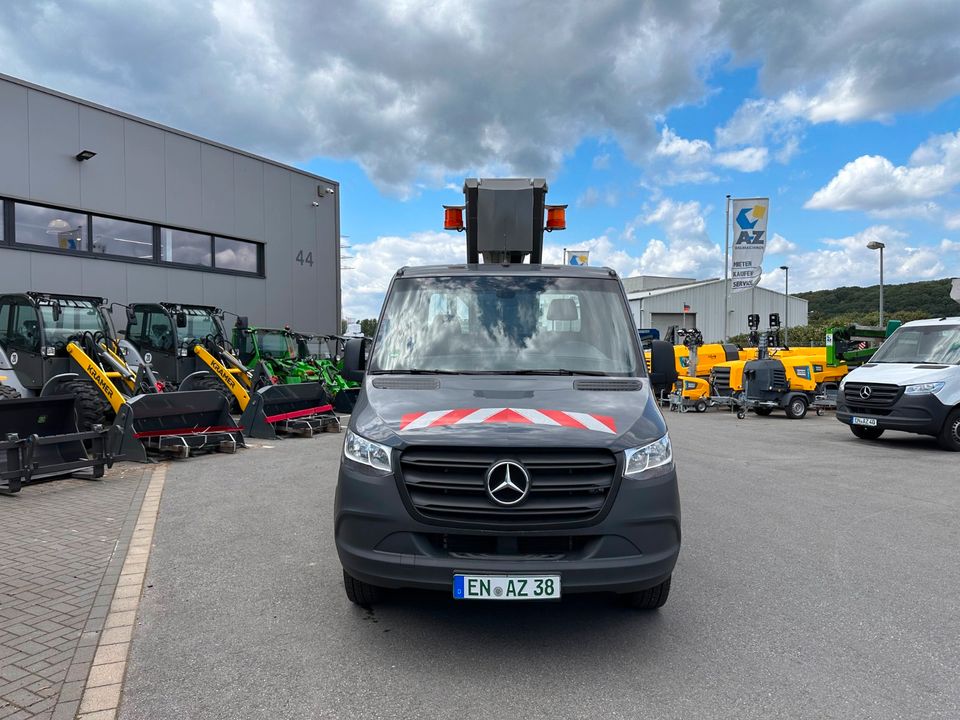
<point x="507" y="411"/>
<point x="901" y="373"/>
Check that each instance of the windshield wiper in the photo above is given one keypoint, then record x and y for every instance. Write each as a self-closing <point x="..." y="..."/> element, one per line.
<point x="551" y="371"/>
<point x="417" y="371"/>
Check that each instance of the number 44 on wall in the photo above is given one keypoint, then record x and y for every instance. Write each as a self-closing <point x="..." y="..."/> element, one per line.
<point x="305" y="259"/>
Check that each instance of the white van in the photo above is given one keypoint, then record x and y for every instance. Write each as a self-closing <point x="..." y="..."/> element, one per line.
<point x="911" y="384"/>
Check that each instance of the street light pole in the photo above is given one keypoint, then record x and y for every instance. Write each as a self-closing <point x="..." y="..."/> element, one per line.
<point x="874" y="245"/>
<point x="786" y="303"/>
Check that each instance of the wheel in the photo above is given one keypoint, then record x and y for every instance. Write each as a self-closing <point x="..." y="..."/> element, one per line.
<point x="741" y="414"/>
<point x="866" y="433"/>
<point x="762" y="411"/>
<point x="949" y="437"/>
<point x="649" y="599"/>
<point x="91" y="406"/>
<point x="8" y="393"/>
<point x="819" y="412"/>
<point x="700" y="406"/>
<point x="361" y="593"/>
<point x="211" y="382"/>
<point x="796" y="408"/>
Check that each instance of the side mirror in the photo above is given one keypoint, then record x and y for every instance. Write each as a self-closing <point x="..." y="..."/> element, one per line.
<point x="663" y="366"/>
<point x="56" y="311"/>
<point x="181" y="319"/>
<point x="242" y="322"/>
<point x="131" y="316"/>
<point x="355" y="359"/>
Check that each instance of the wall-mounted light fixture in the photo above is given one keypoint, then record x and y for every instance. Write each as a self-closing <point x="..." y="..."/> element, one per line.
<point x="84" y="155"/>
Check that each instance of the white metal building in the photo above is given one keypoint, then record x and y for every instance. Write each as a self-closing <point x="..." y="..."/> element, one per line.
<point x="663" y="306"/>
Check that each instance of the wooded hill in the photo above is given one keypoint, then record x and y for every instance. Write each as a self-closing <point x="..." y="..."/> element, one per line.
<point x="929" y="298"/>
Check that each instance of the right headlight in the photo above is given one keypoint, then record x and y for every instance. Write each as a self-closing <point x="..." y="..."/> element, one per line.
<point x="647" y="457"/>
<point x="367" y="452"/>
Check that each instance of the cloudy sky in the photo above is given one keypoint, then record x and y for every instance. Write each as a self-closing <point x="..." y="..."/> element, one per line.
<point x="641" y="115"/>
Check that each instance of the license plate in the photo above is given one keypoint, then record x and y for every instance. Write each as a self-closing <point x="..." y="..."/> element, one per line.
<point x="506" y="587"/>
<point x="869" y="422"/>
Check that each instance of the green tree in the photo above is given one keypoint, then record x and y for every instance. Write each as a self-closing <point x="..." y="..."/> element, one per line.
<point x="369" y="327"/>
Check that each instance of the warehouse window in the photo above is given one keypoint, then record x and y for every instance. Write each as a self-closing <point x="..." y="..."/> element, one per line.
<point x="122" y="237"/>
<point x="235" y="255"/>
<point x="180" y="246"/>
<point x="47" y="227"/>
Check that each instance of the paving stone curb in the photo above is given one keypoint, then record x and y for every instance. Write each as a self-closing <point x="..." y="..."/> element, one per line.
<point x="92" y="687"/>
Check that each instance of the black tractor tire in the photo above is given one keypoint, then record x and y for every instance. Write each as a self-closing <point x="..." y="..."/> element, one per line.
<point x="796" y="408"/>
<point x="700" y="406"/>
<point x="762" y="411"/>
<point x="649" y="599"/>
<point x="361" y="593"/>
<point x="92" y="408"/>
<point x="866" y="433"/>
<point x="949" y="437"/>
<point x="212" y="382"/>
<point x="8" y="393"/>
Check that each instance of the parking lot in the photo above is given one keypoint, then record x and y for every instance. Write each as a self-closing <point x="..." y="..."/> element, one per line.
<point x="818" y="578"/>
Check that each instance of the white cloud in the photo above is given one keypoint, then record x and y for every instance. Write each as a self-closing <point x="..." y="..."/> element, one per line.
<point x="591" y="197"/>
<point x="874" y="184"/>
<point x="848" y="261"/>
<point x="687" y="250"/>
<point x="749" y="159"/>
<point x="779" y="245"/>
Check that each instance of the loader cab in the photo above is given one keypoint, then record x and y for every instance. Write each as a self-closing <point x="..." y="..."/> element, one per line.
<point x="35" y="329"/>
<point x="164" y="334"/>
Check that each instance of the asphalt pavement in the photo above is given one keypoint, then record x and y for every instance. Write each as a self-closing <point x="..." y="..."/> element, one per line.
<point x="819" y="578"/>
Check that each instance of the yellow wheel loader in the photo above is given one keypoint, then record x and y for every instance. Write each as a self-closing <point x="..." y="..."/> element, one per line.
<point x="188" y="347"/>
<point x="65" y="345"/>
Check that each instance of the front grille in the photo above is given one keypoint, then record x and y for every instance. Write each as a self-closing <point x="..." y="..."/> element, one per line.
<point x="608" y="385"/>
<point x="780" y="378"/>
<point x="720" y="378"/>
<point x="881" y="396"/>
<point x="449" y="485"/>
<point x="529" y="547"/>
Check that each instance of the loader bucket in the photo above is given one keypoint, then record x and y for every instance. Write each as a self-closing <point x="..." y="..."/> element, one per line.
<point x="299" y="409"/>
<point x="41" y="440"/>
<point x="176" y="423"/>
<point x="346" y="399"/>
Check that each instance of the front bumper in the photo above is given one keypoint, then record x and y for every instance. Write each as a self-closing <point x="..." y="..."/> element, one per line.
<point x="634" y="547"/>
<point x="921" y="414"/>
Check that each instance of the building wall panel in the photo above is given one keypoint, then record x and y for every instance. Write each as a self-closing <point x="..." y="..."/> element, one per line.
<point x="248" y="186"/>
<point x="143" y="171"/>
<point x="218" y="195"/>
<point x="56" y="273"/>
<point x="102" y="185"/>
<point x="14" y="115"/>
<point x="183" y="175"/>
<point x="53" y="144"/>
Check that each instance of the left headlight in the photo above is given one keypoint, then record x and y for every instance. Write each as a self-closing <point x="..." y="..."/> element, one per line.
<point x="367" y="452"/>
<point x="924" y="388"/>
<point x="654" y="455"/>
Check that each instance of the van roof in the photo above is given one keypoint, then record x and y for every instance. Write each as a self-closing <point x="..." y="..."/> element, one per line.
<point x="489" y="269"/>
<point x="933" y="321"/>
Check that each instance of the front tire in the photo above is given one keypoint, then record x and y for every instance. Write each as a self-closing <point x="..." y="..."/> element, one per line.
<point x="649" y="599"/>
<point x="866" y="433"/>
<point x="949" y="437"/>
<point x="8" y="393"/>
<point x="700" y="406"/>
<point x="797" y="408"/>
<point x="212" y="382"/>
<point x="91" y="406"/>
<point x="361" y="593"/>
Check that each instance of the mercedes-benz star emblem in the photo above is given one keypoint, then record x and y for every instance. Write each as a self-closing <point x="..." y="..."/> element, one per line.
<point x="508" y="482"/>
<point x="865" y="392"/>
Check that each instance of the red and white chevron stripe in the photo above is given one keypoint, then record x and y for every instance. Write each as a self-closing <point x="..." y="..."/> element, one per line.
<point x="512" y="416"/>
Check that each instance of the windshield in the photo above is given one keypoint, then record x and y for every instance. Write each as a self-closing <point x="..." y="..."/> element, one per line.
<point x="76" y="317"/>
<point x="276" y="344"/>
<point x="200" y="324"/>
<point x="505" y="325"/>
<point x="922" y="344"/>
